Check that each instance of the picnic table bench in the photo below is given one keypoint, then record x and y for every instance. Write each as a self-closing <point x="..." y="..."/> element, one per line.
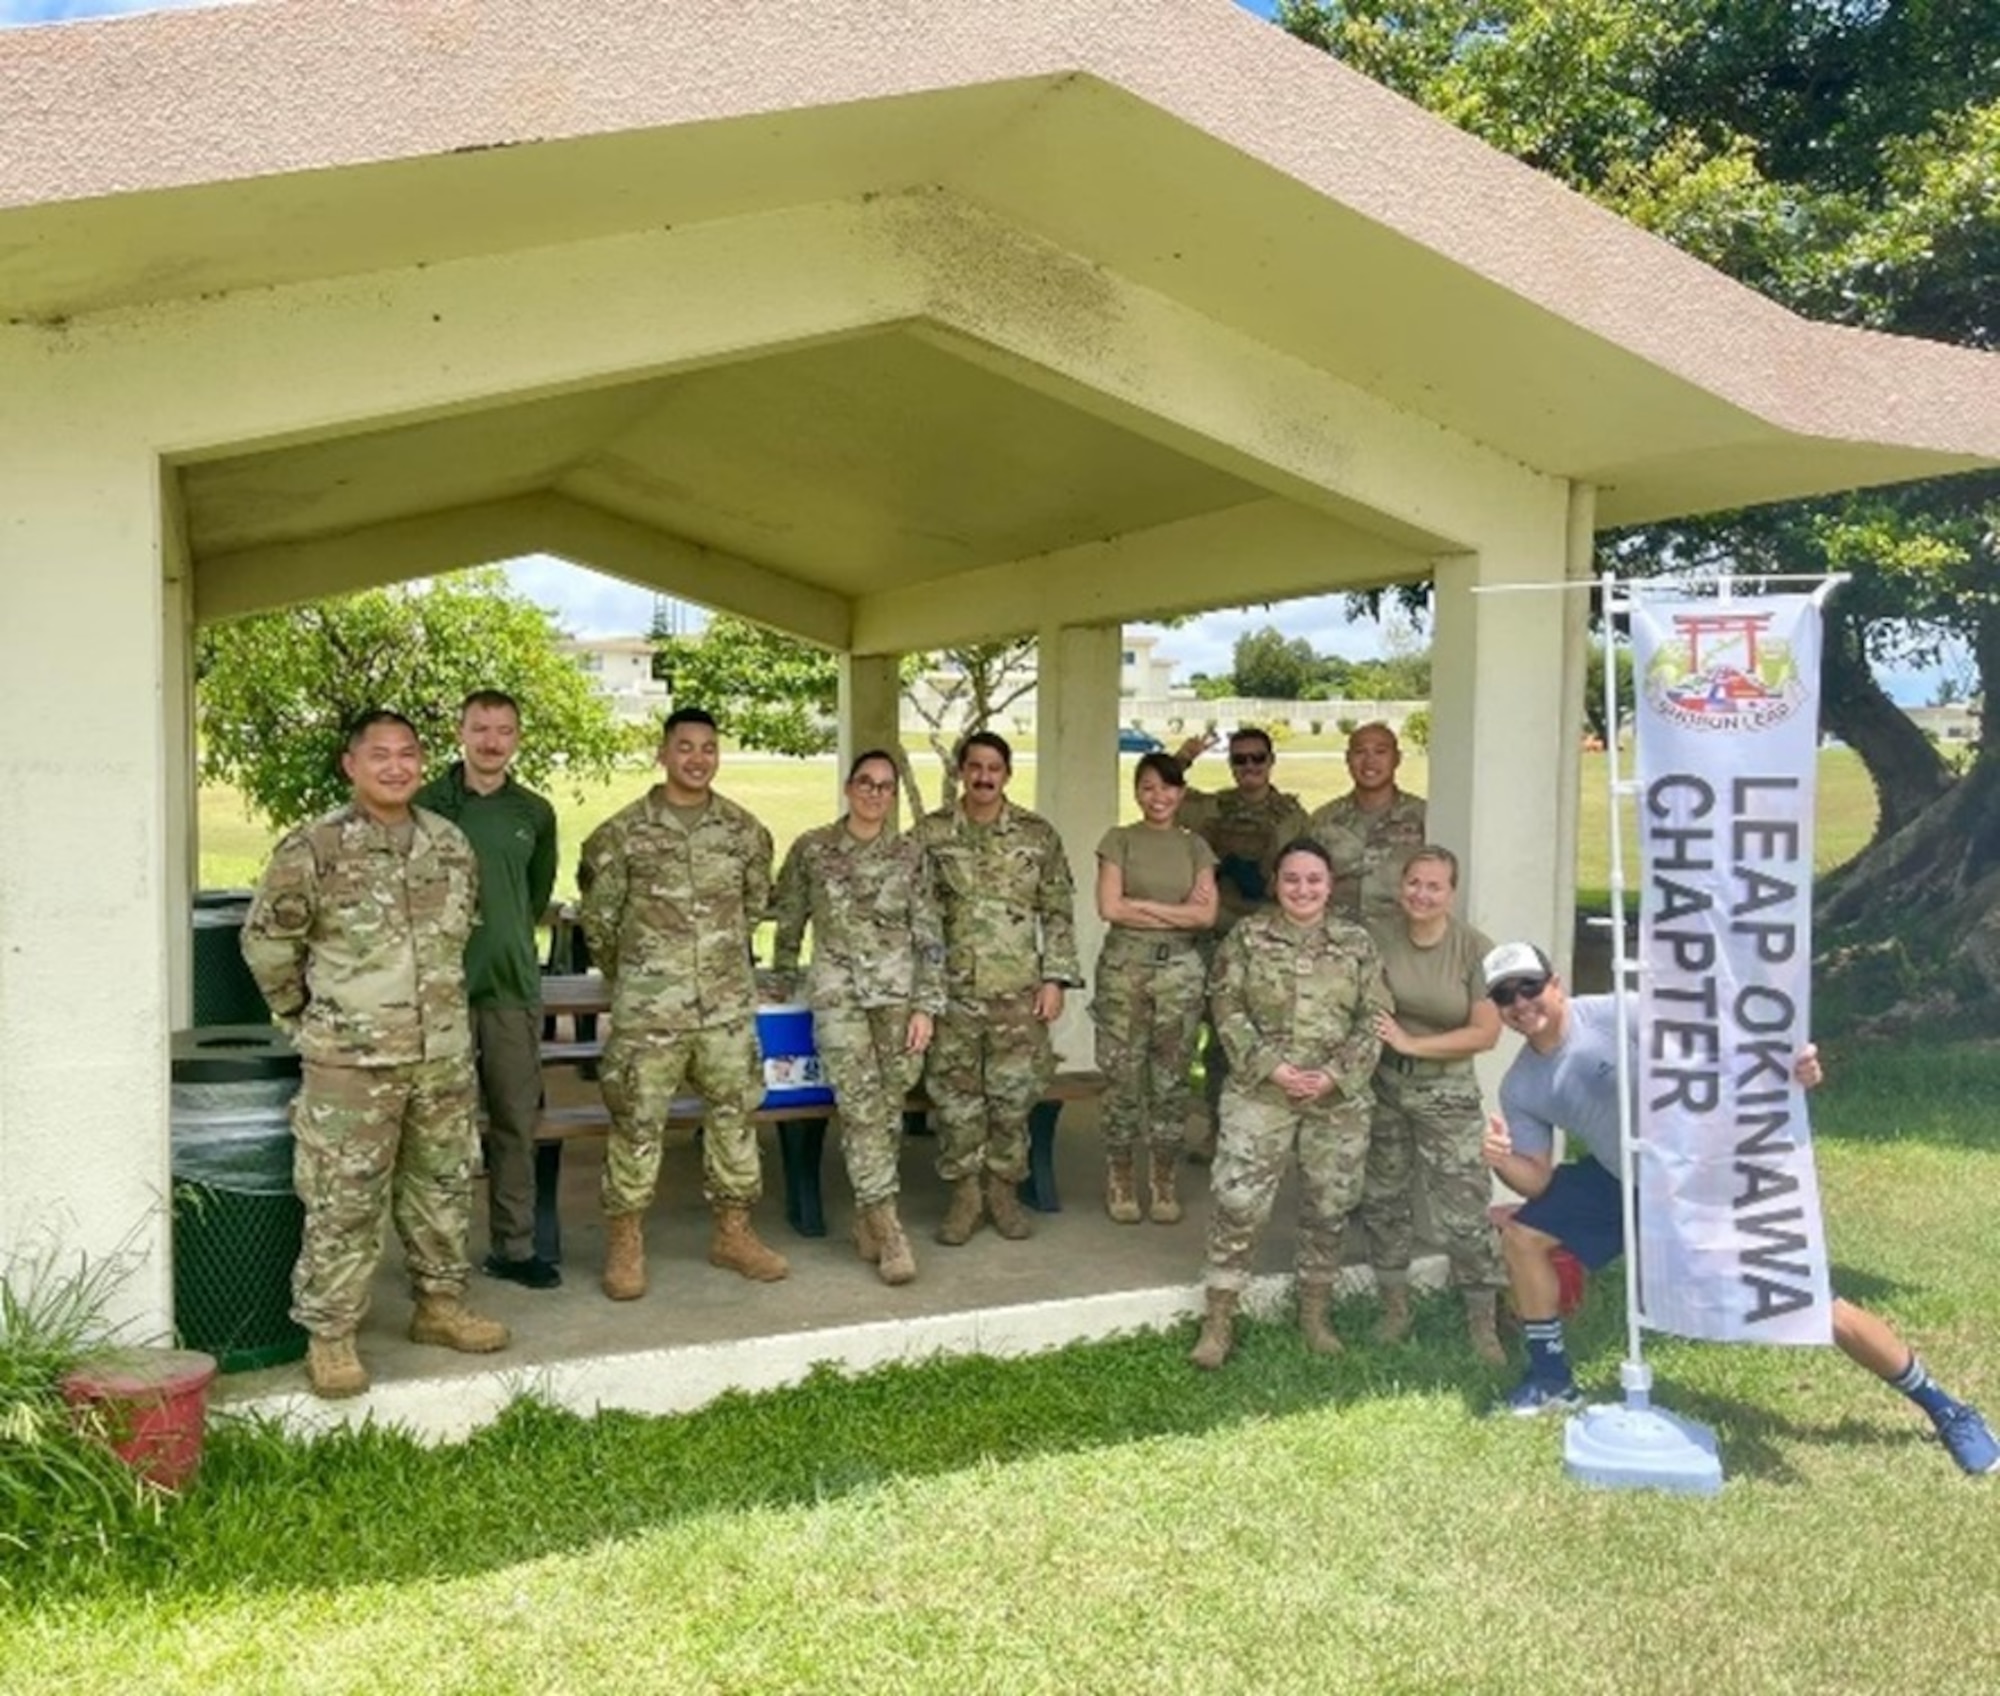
<point x="800" y="1126"/>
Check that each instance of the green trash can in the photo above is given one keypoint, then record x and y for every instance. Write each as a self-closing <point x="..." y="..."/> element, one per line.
<point x="224" y="991"/>
<point x="236" y="1217"/>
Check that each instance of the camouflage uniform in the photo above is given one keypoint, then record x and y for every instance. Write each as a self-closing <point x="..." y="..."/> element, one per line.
<point x="1311" y="997"/>
<point x="1147" y="1004"/>
<point x="667" y="909"/>
<point x="358" y="943"/>
<point x="1007" y="900"/>
<point x="1369" y="851"/>
<point x="1247" y="836"/>
<point x="1428" y="1115"/>
<point x="878" y="957"/>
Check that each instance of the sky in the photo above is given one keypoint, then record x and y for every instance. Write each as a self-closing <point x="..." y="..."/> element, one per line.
<point x="589" y="604"/>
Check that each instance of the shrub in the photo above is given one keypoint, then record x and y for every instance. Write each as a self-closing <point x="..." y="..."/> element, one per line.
<point x="64" y="1496"/>
<point x="1417" y="728"/>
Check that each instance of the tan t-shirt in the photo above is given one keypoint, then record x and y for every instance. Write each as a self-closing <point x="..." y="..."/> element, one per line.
<point x="1157" y="865"/>
<point x="1434" y="987"/>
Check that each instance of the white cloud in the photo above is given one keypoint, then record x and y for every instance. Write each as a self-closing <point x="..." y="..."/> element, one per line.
<point x="586" y="603"/>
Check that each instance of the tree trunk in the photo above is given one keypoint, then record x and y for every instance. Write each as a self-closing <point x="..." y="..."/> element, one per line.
<point x="1906" y="769"/>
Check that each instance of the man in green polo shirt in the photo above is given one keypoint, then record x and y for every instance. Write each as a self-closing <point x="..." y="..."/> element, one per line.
<point x="513" y="833"/>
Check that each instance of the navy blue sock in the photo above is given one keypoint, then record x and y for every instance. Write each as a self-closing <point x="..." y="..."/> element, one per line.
<point x="1917" y="1383"/>
<point x="1548" y="1360"/>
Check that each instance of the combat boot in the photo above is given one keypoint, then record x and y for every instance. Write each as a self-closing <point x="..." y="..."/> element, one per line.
<point x="445" y="1322"/>
<point x="1166" y="1208"/>
<point x="1319" y="1336"/>
<point x="866" y="1243"/>
<point x="1394" y="1325"/>
<point x="624" y="1256"/>
<point x="333" y="1369"/>
<point x="893" y="1259"/>
<point x="1218" y="1330"/>
<point x="962" y="1218"/>
<point x="1005" y="1208"/>
<point x="1482" y="1326"/>
<point x="1121" y="1198"/>
<point x="735" y="1246"/>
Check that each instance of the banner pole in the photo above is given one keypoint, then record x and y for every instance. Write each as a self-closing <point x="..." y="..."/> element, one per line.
<point x="1634" y="1374"/>
<point x="1631" y="1445"/>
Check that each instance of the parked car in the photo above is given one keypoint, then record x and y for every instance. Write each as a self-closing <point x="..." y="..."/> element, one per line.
<point x="1134" y="741"/>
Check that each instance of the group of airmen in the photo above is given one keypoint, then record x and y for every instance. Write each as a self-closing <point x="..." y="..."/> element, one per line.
<point x="1344" y="1000"/>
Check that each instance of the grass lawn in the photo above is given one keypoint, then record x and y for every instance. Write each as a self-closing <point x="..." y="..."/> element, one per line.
<point x="1106" y="1518"/>
<point x="791" y="796"/>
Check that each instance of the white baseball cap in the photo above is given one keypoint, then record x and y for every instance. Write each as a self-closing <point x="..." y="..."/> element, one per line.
<point x="1515" y="960"/>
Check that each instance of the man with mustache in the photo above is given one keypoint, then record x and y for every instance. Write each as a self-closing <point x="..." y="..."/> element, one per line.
<point x="1008" y="903"/>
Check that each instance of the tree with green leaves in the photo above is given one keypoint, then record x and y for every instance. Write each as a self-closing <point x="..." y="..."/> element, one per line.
<point x="766" y="689"/>
<point x="777" y="693"/>
<point x="1270" y="666"/>
<point x="276" y="691"/>
<point x="1840" y="156"/>
<point x="966" y="689"/>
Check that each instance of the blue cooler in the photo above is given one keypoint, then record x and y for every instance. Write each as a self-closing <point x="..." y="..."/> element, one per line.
<point x="792" y="1076"/>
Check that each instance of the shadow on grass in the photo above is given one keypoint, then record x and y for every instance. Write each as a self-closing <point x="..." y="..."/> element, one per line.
<point x="373" y="1505"/>
<point x="1752" y="1431"/>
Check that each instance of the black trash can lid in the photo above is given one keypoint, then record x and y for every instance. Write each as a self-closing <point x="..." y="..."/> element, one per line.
<point x="229" y="1054"/>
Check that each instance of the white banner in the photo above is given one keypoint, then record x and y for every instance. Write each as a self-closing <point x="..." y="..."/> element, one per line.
<point x="1732" y="1247"/>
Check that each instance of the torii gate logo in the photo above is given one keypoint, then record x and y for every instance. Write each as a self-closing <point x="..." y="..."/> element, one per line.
<point x="1723" y="671"/>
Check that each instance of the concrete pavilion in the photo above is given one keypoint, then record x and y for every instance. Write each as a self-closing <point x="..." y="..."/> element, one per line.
<point x="885" y="322"/>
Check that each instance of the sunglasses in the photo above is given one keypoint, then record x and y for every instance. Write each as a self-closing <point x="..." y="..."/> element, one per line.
<point x="1521" y="989"/>
<point x="1249" y="759"/>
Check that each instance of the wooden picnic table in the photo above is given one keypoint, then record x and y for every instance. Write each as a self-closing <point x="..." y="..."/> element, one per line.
<point x="801" y="1128"/>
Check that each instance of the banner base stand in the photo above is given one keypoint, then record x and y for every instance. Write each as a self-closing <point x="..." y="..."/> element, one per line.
<point x="1626" y="1447"/>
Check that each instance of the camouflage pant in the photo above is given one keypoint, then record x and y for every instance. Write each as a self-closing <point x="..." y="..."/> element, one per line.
<point x="376" y="1140"/>
<point x="1147" y="1009"/>
<point x="861" y="1051"/>
<point x="643" y="1072"/>
<point x="1431" y="1124"/>
<point x="1260" y="1131"/>
<point x="989" y="1063"/>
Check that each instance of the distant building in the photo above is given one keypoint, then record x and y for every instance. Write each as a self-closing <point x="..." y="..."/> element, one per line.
<point x="622" y="669"/>
<point x="1958" y="722"/>
<point x="1144" y="673"/>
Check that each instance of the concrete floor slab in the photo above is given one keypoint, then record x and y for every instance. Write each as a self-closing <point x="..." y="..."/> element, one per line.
<point x="699" y="1331"/>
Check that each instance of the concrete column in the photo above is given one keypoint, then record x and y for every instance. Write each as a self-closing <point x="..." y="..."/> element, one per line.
<point x="183" y="835"/>
<point x="1076" y="783"/>
<point x="1580" y="563"/>
<point x="870" y="707"/>
<point x="1506" y="722"/>
<point x="83" y="879"/>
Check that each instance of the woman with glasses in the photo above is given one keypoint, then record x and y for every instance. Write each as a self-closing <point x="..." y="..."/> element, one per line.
<point x="1428" y="1117"/>
<point x="1246" y="824"/>
<point x="1295" y="994"/>
<point x="1156" y="890"/>
<point x="876" y="986"/>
